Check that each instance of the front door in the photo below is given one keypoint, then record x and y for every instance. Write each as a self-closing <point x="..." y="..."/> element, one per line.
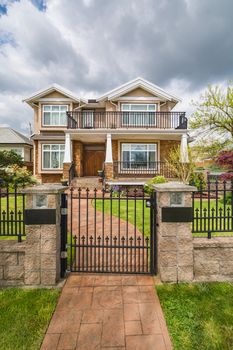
<point x="93" y="161"/>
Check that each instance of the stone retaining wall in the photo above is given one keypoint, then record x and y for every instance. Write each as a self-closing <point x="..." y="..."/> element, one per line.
<point x="213" y="259"/>
<point x="12" y="257"/>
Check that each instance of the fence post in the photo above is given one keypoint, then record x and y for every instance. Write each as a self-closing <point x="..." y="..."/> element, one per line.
<point x="43" y="231"/>
<point x="174" y="236"/>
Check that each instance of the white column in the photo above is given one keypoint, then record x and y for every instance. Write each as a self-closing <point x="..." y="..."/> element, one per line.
<point x="108" y="157"/>
<point x="68" y="151"/>
<point x="184" y="157"/>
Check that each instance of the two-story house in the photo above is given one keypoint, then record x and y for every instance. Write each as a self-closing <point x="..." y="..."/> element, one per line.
<point x="128" y="132"/>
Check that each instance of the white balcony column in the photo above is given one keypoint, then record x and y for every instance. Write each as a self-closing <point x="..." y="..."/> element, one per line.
<point x="108" y="157"/>
<point x="184" y="156"/>
<point x="68" y="149"/>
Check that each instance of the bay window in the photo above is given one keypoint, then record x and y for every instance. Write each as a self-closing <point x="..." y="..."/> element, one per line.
<point x="55" y="115"/>
<point x="53" y="156"/>
<point x="138" y="155"/>
<point x="138" y="114"/>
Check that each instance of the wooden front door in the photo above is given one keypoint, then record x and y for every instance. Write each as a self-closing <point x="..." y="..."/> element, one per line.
<point x="93" y="161"/>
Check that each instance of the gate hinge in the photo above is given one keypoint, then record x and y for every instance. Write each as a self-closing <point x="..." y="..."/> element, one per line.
<point x="64" y="255"/>
<point x="64" y="211"/>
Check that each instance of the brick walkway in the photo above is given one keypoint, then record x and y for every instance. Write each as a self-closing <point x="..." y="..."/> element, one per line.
<point x="108" y="312"/>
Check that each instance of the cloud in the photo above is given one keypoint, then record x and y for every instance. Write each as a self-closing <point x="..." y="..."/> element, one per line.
<point x="91" y="46"/>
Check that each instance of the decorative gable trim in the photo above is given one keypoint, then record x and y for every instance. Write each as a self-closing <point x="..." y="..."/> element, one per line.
<point x="55" y="87"/>
<point x="138" y="83"/>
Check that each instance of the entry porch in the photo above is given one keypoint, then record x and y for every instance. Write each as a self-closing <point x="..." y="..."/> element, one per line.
<point x="121" y="156"/>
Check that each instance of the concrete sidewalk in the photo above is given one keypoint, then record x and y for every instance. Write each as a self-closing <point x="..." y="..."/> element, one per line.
<point x="103" y="312"/>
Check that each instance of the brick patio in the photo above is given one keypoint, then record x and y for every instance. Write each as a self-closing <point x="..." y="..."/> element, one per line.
<point x="101" y="312"/>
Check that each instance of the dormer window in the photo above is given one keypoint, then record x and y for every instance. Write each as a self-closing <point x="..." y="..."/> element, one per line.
<point x="54" y="115"/>
<point x="141" y="114"/>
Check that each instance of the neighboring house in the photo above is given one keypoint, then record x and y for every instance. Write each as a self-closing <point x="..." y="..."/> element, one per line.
<point x="128" y="132"/>
<point x="12" y="140"/>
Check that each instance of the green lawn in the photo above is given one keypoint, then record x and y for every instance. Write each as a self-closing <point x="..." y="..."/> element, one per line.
<point x="142" y="224"/>
<point x="24" y="317"/>
<point x="199" y="316"/>
<point x="138" y="219"/>
<point x="3" y="207"/>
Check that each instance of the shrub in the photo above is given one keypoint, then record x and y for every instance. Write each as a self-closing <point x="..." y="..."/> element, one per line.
<point x="180" y="170"/>
<point x="226" y="177"/>
<point x="225" y="159"/>
<point x="156" y="180"/>
<point x="16" y="175"/>
<point x="198" y="180"/>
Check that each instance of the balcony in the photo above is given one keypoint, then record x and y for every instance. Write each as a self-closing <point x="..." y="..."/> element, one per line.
<point x="126" y="120"/>
<point x="142" y="169"/>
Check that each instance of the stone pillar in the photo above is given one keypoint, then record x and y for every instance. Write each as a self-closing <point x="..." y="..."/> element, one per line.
<point x="108" y="166"/>
<point x="66" y="170"/>
<point x="174" y="238"/>
<point x="42" y="253"/>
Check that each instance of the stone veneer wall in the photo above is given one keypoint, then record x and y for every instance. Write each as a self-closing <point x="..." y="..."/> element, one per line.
<point x="78" y="157"/>
<point x="213" y="259"/>
<point x="12" y="258"/>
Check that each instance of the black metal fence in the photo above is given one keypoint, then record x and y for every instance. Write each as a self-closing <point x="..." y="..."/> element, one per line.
<point x="213" y="209"/>
<point x="12" y="206"/>
<point x="111" y="232"/>
<point x="129" y="120"/>
<point x="142" y="169"/>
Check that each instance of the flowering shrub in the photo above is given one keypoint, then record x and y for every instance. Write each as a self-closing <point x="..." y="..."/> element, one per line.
<point x="225" y="159"/>
<point x="226" y="177"/>
<point x="16" y="175"/>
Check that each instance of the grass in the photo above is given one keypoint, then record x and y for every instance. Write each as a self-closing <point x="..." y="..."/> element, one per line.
<point x="24" y="316"/>
<point x="138" y="219"/>
<point x="199" y="316"/>
<point x="122" y="209"/>
<point x="3" y="207"/>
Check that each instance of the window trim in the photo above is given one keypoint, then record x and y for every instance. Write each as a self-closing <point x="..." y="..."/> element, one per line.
<point x="42" y="155"/>
<point x="139" y="104"/>
<point x="139" y="143"/>
<point x="53" y="105"/>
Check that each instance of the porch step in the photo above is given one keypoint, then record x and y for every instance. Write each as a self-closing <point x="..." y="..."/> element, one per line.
<point x="87" y="182"/>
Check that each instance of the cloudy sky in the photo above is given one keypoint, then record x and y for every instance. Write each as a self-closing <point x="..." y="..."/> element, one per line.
<point x="91" y="46"/>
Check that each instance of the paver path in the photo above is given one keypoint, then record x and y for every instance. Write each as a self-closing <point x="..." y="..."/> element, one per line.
<point x="108" y="312"/>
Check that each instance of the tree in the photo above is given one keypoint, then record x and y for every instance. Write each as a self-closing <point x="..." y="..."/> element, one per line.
<point x="210" y="150"/>
<point x="12" y="170"/>
<point x="214" y="113"/>
<point x="8" y="158"/>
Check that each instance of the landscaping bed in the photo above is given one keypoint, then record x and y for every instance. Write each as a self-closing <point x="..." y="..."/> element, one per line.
<point x="199" y="316"/>
<point x="24" y="317"/>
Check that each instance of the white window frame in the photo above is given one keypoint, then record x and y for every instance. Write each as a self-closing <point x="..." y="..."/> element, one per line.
<point x="50" y="158"/>
<point x="59" y="112"/>
<point x="133" y="114"/>
<point x="147" y="150"/>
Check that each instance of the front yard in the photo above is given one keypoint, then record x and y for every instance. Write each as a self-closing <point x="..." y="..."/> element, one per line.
<point x="136" y="217"/>
<point x="199" y="316"/>
<point x="24" y="316"/>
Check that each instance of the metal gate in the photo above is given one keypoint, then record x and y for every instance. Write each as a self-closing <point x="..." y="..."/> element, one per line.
<point x="111" y="232"/>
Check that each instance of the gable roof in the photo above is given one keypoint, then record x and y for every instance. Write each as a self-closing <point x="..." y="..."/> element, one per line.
<point x="54" y="87"/>
<point x="135" y="83"/>
<point x="8" y="136"/>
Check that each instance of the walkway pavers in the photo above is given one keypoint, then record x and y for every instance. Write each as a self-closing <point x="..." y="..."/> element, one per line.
<point x="101" y="312"/>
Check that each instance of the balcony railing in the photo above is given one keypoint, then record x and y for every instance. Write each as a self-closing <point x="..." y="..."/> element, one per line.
<point x="143" y="169"/>
<point x="126" y="120"/>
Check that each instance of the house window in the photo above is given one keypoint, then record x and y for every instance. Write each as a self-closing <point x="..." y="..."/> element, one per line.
<point x="88" y="119"/>
<point x="138" y="114"/>
<point x="53" y="155"/>
<point x="55" y="115"/>
<point x="138" y="155"/>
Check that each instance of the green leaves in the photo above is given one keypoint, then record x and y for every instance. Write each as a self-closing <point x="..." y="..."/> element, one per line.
<point x="214" y="111"/>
